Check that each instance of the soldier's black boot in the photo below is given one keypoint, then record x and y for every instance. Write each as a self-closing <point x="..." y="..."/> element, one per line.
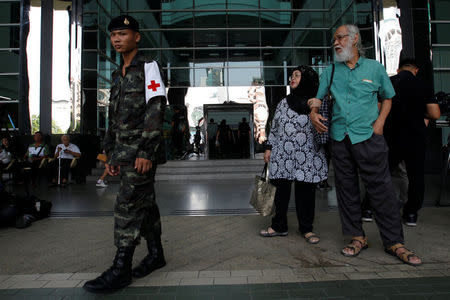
<point x="117" y="276"/>
<point x="154" y="260"/>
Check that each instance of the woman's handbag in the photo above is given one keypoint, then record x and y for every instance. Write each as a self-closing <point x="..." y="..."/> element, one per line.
<point x="263" y="194"/>
<point x="326" y="110"/>
<point x="102" y="157"/>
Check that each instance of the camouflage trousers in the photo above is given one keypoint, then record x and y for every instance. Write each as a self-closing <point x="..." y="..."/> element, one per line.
<point x="136" y="213"/>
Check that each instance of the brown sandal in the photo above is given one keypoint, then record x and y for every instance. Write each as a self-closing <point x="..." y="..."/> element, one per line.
<point x="312" y="238"/>
<point x="356" y="249"/>
<point x="405" y="256"/>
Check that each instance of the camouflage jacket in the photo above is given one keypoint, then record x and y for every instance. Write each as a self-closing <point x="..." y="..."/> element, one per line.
<point x="135" y="127"/>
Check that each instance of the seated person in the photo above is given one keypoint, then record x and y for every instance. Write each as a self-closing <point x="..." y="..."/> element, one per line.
<point x="5" y="154"/>
<point x="36" y="153"/>
<point x="66" y="152"/>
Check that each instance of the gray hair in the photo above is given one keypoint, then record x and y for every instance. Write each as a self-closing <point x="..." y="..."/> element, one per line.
<point x="353" y="30"/>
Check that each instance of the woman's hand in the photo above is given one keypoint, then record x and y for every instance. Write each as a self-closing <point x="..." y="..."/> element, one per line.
<point x="267" y="156"/>
<point x="316" y="120"/>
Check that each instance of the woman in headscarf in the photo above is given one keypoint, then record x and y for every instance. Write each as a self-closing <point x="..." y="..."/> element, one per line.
<point x="295" y="156"/>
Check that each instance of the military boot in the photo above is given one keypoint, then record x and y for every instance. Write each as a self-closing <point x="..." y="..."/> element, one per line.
<point x="117" y="276"/>
<point x="154" y="260"/>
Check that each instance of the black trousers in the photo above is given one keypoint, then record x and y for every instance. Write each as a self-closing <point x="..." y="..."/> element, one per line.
<point x="370" y="159"/>
<point x="414" y="157"/>
<point x="305" y="194"/>
<point x="65" y="168"/>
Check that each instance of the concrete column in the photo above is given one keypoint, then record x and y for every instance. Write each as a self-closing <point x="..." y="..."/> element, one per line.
<point x="46" y="66"/>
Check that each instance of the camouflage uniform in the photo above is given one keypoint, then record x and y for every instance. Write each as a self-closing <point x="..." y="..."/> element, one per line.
<point x="134" y="132"/>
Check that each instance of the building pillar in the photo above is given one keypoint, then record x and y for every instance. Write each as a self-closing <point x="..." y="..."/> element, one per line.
<point x="46" y="66"/>
<point x="24" y="112"/>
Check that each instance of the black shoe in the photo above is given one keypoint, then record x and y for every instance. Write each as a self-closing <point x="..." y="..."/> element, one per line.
<point x="410" y="220"/>
<point x="367" y="216"/>
<point x="117" y="276"/>
<point x="153" y="261"/>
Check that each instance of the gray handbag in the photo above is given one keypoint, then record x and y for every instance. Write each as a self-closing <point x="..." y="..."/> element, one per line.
<point x="263" y="194"/>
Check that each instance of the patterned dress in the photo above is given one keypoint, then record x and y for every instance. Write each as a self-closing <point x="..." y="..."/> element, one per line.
<point x="295" y="153"/>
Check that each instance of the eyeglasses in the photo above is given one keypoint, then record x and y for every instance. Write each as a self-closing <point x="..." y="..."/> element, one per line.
<point x="295" y="76"/>
<point x="338" y="38"/>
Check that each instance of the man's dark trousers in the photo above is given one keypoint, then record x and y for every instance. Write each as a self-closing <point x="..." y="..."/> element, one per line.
<point x="413" y="153"/>
<point x="369" y="159"/>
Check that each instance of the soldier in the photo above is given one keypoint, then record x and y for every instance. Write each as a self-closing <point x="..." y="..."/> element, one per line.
<point x="136" y="110"/>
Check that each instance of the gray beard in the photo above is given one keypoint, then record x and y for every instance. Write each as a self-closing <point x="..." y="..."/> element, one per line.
<point x="345" y="55"/>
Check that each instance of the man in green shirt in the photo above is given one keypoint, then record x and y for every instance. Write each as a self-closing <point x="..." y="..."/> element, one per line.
<point x="358" y="145"/>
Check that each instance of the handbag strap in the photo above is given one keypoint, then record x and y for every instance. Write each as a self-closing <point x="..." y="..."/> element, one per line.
<point x="331" y="81"/>
<point x="265" y="171"/>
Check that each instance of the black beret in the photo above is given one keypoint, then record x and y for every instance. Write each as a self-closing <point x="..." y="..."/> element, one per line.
<point x="123" y="22"/>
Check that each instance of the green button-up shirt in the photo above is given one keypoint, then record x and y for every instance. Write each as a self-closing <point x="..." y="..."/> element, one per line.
<point x="356" y="93"/>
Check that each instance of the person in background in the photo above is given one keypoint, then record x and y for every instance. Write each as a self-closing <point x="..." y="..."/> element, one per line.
<point x="36" y="152"/>
<point x="224" y="138"/>
<point x="101" y="182"/>
<point x="64" y="154"/>
<point x="295" y="157"/>
<point x="243" y="138"/>
<point x="358" y="145"/>
<point x="6" y="153"/>
<point x="212" y="133"/>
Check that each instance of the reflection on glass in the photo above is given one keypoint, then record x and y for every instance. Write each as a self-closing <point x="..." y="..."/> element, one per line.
<point x="210" y="74"/>
<point x="243" y="38"/>
<point x="211" y="38"/>
<point x="276" y="57"/>
<point x="276" y="38"/>
<point x="244" y="76"/>
<point x="214" y="19"/>
<point x="243" y="19"/>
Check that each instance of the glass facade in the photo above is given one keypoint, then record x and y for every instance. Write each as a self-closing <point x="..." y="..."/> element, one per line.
<point x="440" y="43"/>
<point x="9" y="57"/>
<point x="218" y="43"/>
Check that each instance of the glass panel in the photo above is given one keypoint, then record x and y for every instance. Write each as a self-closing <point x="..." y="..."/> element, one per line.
<point x="11" y="110"/>
<point x="276" y="57"/>
<point x="10" y="62"/>
<point x="211" y="56"/>
<point x="181" y="77"/>
<point x="270" y="4"/>
<point x="276" y="38"/>
<point x="273" y="76"/>
<point x="148" y="19"/>
<point x="213" y="38"/>
<point x="311" y="38"/>
<point x="176" y="20"/>
<point x="9" y="86"/>
<point x="440" y="33"/>
<point x="309" y="57"/>
<point x="210" y="74"/>
<point x="89" y="40"/>
<point x="243" y="4"/>
<point x="179" y="4"/>
<point x="174" y="39"/>
<point x="150" y="39"/>
<point x="250" y="56"/>
<point x="90" y="79"/>
<point x="244" y="76"/>
<point x="243" y="38"/>
<point x="212" y="19"/>
<point x="441" y="57"/>
<point x="9" y="12"/>
<point x="177" y="58"/>
<point x="153" y="54"/>
<point x="275" y="19"/>
<point x="440" y="9"/>
<point x="302" y="19"/>
<point x="210" y="4"/>
<point x="9" y="37"/>
<point x="441" y="81"/>
<point x="90" y="20"/>
<point x="243" y="19"/>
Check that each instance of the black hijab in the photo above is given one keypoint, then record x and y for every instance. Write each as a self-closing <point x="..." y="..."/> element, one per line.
<point x="306" y="89"/>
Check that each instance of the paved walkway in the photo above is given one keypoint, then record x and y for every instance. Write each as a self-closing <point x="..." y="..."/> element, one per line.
<point x="217" y="253"/>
